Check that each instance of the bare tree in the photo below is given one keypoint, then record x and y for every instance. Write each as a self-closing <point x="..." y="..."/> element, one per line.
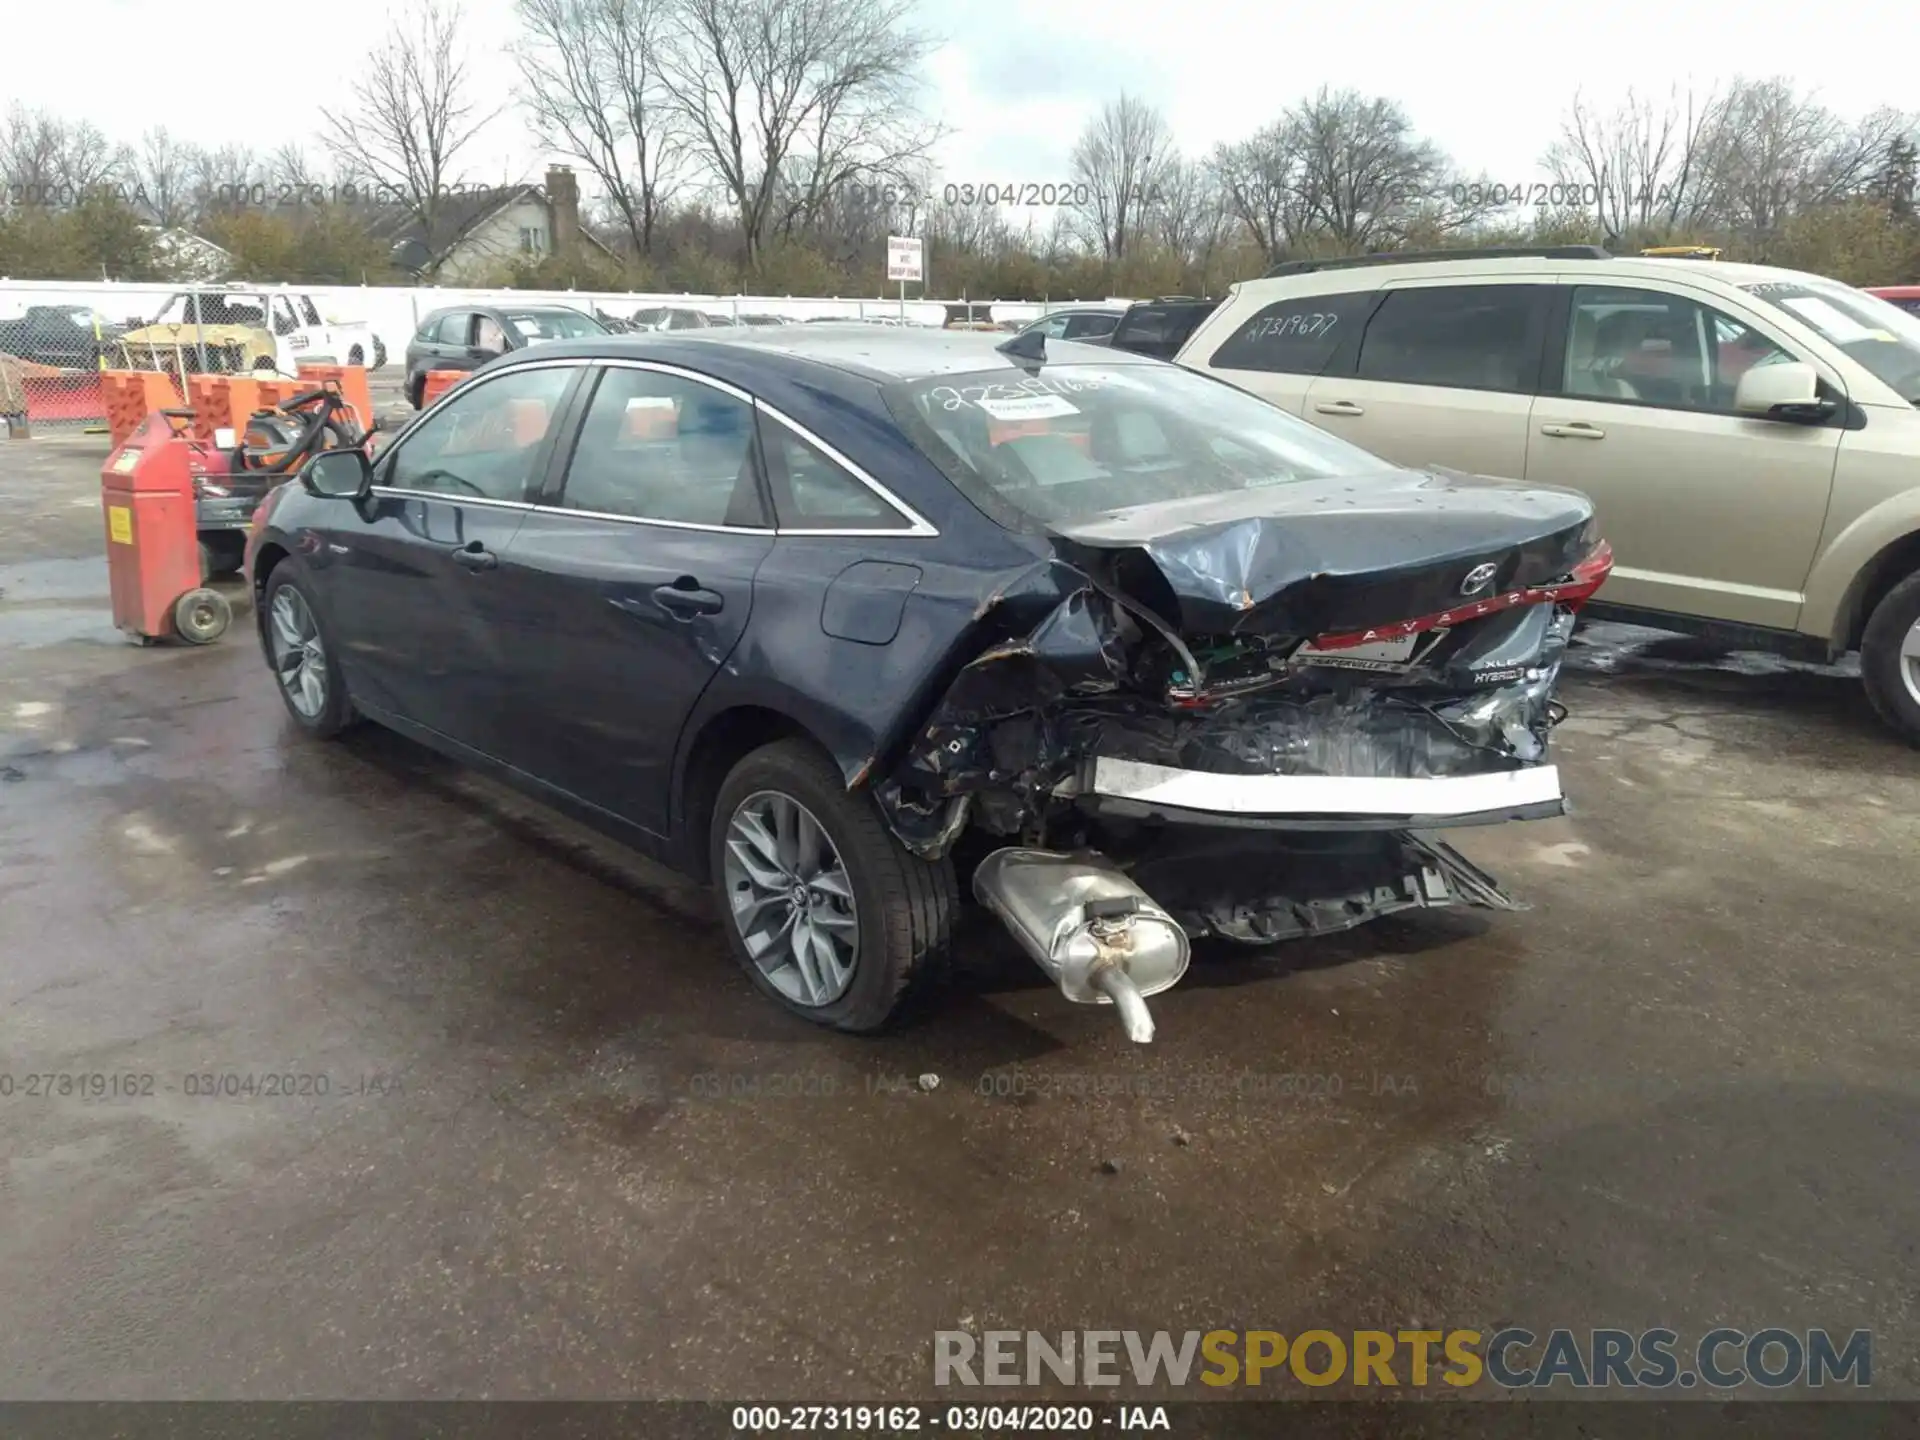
<point x="47" y="160"/>
<point x="1262" y="186"/>
<point x="595" y="93"/>
<point x="163" y="179"/>
<point x="1187" y="215"/>
<point x="1645" y="167"/>
<point x="786" y="101"/>
<point x="1364" y="175"/>
<point x="411" y="115"/>
<point x="1122" y="162"/>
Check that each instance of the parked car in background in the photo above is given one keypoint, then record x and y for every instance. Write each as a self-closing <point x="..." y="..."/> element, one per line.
<point x="612" y="324"/>
<point x="1907" y="297"/>
<point x="829" y="618"/>
<point x="667" y="317"/>
<point x="69" y="337"/>
<point x="1089" y="324"/>
<point x="764" y="320"/>
<point x="1160" y="327"/>
<point x="465" y="337"/>
<point x="231" y="329"/>
<point x="1748" y="434"/>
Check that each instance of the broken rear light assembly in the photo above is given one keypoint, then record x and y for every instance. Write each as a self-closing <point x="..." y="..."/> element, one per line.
<point x="1573" y="592"/>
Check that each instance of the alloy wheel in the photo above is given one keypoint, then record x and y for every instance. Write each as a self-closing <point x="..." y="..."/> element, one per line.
<point x="791" y="899"/>
<point x="299" y="658"/>
<point x="1910" y="661"/>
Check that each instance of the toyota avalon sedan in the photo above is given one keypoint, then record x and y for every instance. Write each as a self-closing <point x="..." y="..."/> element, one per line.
<point x="845" y="621"/>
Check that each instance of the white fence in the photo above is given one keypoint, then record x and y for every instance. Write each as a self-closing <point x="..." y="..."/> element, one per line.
<point x="394" y="312"/>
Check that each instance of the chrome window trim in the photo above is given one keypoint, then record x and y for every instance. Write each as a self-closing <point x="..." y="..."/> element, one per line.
<point x="917" y="524"/>
<point x="451" y="497"/>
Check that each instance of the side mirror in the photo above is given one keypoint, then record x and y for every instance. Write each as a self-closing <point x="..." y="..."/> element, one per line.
<point x="338" y="475"/>
<point x="1788" y="391"/>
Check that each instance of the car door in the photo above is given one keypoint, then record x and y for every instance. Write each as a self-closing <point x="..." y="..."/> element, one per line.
<point x="1444" y="374"/>
<point x="414" y="583"/>
<point x="631" y="583"/>
<point x="1710" y="513"/>
<point x="1281" y="348"/>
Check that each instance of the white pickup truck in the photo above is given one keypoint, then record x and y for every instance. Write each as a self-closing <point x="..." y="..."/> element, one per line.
<point x="266" y="330"/>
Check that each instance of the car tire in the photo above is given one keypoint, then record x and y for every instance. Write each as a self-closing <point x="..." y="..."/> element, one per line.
<point x="356" y="356"/>
<point x="289" y="617"/>
<point x="1890" y="658"/>
<point x="877" y="919"/>
<point x="201" y="616"/>
<point x="379" y="354"/>
<point x="417" y="392"/>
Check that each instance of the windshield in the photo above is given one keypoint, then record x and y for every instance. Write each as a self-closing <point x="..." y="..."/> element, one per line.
<point x="214" y="307"/>
<point x="1073" y="442"/>
<point x="538" y="325"/>
<point x="1882" y="337"/>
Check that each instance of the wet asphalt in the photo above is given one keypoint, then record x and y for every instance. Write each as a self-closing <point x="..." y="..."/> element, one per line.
<point x="564" y="1149"/>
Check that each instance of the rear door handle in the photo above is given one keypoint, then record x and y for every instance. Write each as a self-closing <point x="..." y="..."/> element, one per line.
<point x="1338" y="407"/>
<point x="475" y="556"/>
<point x="684" y="599"/>
<point x="1573" y="430"/>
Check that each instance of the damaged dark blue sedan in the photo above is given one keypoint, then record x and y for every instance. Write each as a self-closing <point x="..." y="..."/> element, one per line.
<point x="833" y="618"/>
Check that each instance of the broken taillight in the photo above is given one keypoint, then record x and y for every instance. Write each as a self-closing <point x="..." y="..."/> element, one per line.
<point x="1573" y="592"/>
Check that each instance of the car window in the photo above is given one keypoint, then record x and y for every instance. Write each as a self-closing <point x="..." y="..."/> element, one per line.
<point x="488" y="335"/>
<point x="1084" y="327"/>
<point x="811" y="491"/>
<point x="484" y="440"/>
<point x="1652" y="348"/>
<point x="307" y="310"/>
<point x="1465" y="337"/>
<point x="285" y="322"/>
<point x="554" y="324"/>
<point x="455" y="328"/>
<point x="1080" y="442"/>
<point x="1054" y="327"/>
<point x="1295" y="336"/>
<point x="663" y="447"/>
<point x="1882" y="338"/>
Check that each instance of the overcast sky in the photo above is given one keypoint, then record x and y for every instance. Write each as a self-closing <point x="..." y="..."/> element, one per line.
<point x="1016" y="81"/>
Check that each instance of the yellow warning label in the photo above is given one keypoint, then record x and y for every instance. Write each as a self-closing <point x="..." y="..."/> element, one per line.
<point x="120" y="524"/>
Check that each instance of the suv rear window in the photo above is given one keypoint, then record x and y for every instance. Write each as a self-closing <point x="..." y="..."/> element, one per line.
<point x="1295" y="336"/>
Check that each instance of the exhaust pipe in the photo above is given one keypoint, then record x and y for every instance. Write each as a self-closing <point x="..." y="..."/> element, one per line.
<point x="1093" y="931"/>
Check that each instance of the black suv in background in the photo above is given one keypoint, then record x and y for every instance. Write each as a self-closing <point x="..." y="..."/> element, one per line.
<point x="1160" y="327"/>
<point x="465" y="337"/>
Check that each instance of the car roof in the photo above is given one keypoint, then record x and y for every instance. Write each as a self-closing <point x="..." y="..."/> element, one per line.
<point x="883" y="353"/>
<point x="1618" y="268"/>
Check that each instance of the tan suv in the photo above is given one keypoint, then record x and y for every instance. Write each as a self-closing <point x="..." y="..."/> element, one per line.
<point x="1748" y="435"/>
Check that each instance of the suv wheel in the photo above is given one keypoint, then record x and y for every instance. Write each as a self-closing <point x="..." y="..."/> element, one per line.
<point x="829" y="914"/>
<point x="1890" y="658"/>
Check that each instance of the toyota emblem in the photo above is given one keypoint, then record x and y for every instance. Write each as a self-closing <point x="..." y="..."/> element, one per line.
<point x="1478" y="578"/>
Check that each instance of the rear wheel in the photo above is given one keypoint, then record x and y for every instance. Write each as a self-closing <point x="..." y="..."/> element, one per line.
<point x="829" y="914"/>
<point x="1890" y="658"/>
<point x="202" y="616"/>
<point x="379" y="353"/>
<point x="356" y="356"/>
<point x="417" y="392"/>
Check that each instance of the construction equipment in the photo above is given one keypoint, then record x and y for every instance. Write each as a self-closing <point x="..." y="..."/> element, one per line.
<point x="233" y="475"/>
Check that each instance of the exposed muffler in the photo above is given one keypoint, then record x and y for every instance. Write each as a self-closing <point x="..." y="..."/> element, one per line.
<point x="1096" y="934"/>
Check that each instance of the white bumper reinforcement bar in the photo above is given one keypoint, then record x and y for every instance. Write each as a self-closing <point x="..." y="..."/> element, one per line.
<point x="1443" y="797"/>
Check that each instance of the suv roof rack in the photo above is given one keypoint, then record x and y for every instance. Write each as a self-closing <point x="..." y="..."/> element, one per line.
<point x="1414" y="257"/>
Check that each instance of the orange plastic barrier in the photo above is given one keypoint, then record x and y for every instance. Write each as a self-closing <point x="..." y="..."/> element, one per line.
<point x="221" y="401"/>
<point x="132" y="395"/>
<point x="352" y="380"/>
<point x="438" y="383"/>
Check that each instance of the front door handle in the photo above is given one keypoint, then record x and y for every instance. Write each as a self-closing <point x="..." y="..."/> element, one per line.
<point x="1573" y="430"/>
<point x="1338" y="407"/>
<point x="475" y="556"/>
<point x="684" y="599"/>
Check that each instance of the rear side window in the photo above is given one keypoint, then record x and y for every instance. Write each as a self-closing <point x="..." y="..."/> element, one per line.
<point x="811" y="491"/>
<point x="666" y="448"/>
<point x="1464" y="337"/>
<point x="1295" y="336"/>
<point x="1082" y="327"/>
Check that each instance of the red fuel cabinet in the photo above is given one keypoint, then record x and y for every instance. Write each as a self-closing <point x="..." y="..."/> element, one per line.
<point x="153" y="546"/>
